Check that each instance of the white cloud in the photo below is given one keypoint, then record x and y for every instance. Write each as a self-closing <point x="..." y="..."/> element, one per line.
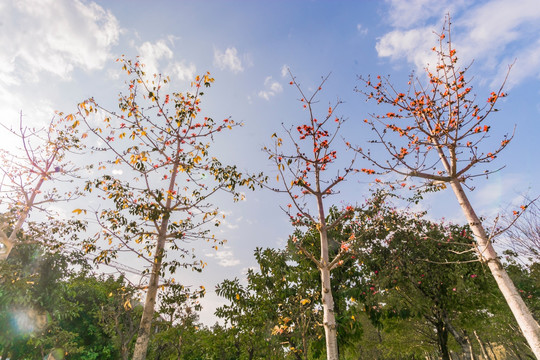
<point x="407" y="13"/>
<point x="498" y="32"/>
<point x="284" y="70"/>
<point x="44" y="38"/>
<point x="271" y="88"/>
<point x="411" y="44"/>
<point x="182" y="71"/>
<point x="225" y="257"/>
<point x="153" y="54"/>
<point x="228" y="60"/>
<point x="494" y="33"/>
<point x="54" y="36"/>
<point x="150" y="55"/>
<point x="361" y="29"/>
<point x="38" y="112"/>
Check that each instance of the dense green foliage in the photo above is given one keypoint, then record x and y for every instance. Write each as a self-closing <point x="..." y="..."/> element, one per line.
<point x="409" y="289"/>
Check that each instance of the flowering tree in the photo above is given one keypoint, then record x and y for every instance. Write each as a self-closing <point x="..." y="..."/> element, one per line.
<point x="162" y="201"/>
<point x="26" y="173"/>
<point x="303" y="176"/>
<point x="435" y="133"/>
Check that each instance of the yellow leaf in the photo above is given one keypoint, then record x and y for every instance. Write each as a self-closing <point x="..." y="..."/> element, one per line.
<point x="79" y="211"/>
<point x="237" y="296"/>
<point x="305" y="301"/>
<point x="127" y="304"/>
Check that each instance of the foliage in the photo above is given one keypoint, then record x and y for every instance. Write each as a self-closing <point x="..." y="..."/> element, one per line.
<point x="46" y="306"/>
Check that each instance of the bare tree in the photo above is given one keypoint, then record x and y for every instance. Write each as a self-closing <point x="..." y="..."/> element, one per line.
<point x="303" y="173"/>
<point x="435" y="133"/>
<point x="27" y="172"/>
<point x="523" y="231"/>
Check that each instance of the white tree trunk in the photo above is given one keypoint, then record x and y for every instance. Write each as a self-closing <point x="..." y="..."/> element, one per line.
<point x="143" y="337"/>
<point x="524" y="318"/>
<point x="329" y="319"/>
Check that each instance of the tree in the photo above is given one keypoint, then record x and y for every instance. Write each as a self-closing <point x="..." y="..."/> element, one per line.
<point x="27" y="172"/>
<point x="163" y="145"/>
<point x="429" y="270"/>
<point x="523" y="231"/>
<point x="118" y="311"/>
<point x="278" y="303"/>
<point x="439" y="128"/>
<point x="49" y="307"/>
<point x="250" y="319"/>
<point x="177" y="323"/>
<point x="302" y="173"/>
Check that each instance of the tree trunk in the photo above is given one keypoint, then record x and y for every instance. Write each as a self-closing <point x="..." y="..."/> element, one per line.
<point x="492" y="351"/>
<point x="5" y="353"/>
<point x="461" y="338"/>
<point x="482" y="347"/>
<point x="124" y="352"/>
<point x="442" y="340"/>
<point x="329" y="319"/>
<point x="143" y="337"/>
<point x="304" y="346"/>
<point x="524" y="318"/>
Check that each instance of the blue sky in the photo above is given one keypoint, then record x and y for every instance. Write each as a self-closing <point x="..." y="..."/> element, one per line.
<point x="56" y="53"/>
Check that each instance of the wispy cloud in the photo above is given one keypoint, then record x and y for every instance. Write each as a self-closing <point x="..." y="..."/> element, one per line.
<point x="224" y="257"/>
<point x="494" y="33"/>
<point x="183" y="71"/>
<point x="271" y="88"/>
<point x="151" y="53"/>
<point x="228" y="59"/>
<point x="54" y="36"/>
<point x="361" y="29"/>
<point x="284" y="70"/>
<point x="49" y="38"/>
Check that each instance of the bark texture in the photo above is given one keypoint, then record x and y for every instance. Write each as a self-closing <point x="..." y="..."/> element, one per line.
<point x="524" y="318"/>
<point x="143" y="337"/>
<point x="329" y="318"/>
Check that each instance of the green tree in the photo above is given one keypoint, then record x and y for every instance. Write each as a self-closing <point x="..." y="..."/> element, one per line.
<point x="278" y="303"/>
<point x="163" y="200"/>
<point x="249" y="318"/>
<point x="47" y="306"/>
<point x="177" y="325"/>
<point x="427" y="275"/>
<point x="32" y="302"/>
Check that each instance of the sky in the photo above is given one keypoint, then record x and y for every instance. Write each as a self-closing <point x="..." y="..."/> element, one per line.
<point x="56" y="53"/>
